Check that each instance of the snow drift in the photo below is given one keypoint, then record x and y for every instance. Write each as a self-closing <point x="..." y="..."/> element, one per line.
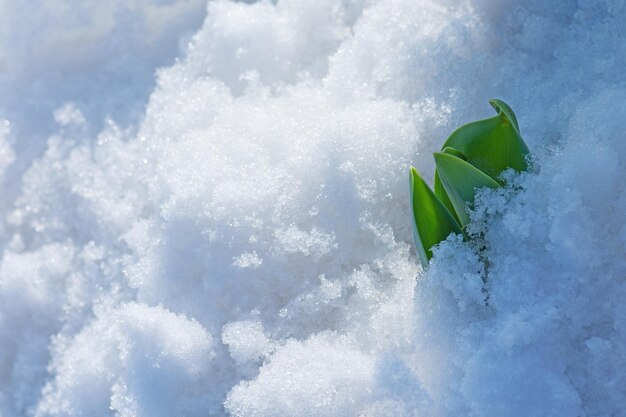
<point x="242" y="246"/>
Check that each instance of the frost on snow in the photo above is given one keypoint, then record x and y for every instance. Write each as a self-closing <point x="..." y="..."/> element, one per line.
<point x="217" y="224"/>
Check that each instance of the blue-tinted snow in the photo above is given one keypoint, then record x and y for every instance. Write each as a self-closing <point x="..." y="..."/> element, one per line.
<point x="230" y="234"/>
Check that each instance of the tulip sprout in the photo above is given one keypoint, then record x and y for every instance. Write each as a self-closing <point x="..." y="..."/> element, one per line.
<point x="473" y="157"/>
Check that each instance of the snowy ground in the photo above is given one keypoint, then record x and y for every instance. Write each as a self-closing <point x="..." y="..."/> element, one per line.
<point x="205" y="209"/>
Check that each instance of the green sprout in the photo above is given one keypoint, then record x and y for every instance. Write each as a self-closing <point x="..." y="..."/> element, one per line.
<point x="472" y="158"/>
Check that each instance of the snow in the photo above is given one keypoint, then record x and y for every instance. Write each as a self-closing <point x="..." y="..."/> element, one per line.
<point x="205" y="209"/>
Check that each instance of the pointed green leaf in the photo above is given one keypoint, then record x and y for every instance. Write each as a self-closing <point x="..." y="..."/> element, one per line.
<point x="492" y="145"/>
<point x="432" y="222"/>
<point x="460" y="180"/>
<point x="440" y="192"/>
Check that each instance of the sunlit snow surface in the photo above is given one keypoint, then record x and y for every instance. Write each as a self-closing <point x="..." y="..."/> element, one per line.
<point x="218" y="224"/>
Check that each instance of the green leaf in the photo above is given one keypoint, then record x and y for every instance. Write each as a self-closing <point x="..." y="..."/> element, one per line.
<point x="432" y="222"/>
<point x="440" y="192"/>
<point x="460" y="181"/>
<point x="492" y="145"/>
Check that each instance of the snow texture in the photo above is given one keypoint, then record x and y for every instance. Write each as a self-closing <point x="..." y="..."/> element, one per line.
<point x="205" y="209"/>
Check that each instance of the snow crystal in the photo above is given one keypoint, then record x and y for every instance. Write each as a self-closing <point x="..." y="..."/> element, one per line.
<point x="205" y="209"/>
<point x="69" y="115"/>
<point x="247" y="260"/>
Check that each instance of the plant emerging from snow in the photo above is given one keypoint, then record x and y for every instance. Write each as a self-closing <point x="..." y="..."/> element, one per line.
<point x="473" y="157"/>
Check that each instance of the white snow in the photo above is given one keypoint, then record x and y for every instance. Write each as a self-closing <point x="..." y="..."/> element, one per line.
<point x="205" y="209"/>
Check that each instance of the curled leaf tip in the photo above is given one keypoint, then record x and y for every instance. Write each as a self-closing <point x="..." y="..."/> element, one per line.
<point x="504" y="109"/>
<point x="450" y="150"/>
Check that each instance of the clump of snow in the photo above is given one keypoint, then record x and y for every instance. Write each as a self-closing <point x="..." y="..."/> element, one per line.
<point x="247" y="343"/>
<point x="133" y="360"/>
<point x="242" y="246"/>
<point x="336" y="375"/>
